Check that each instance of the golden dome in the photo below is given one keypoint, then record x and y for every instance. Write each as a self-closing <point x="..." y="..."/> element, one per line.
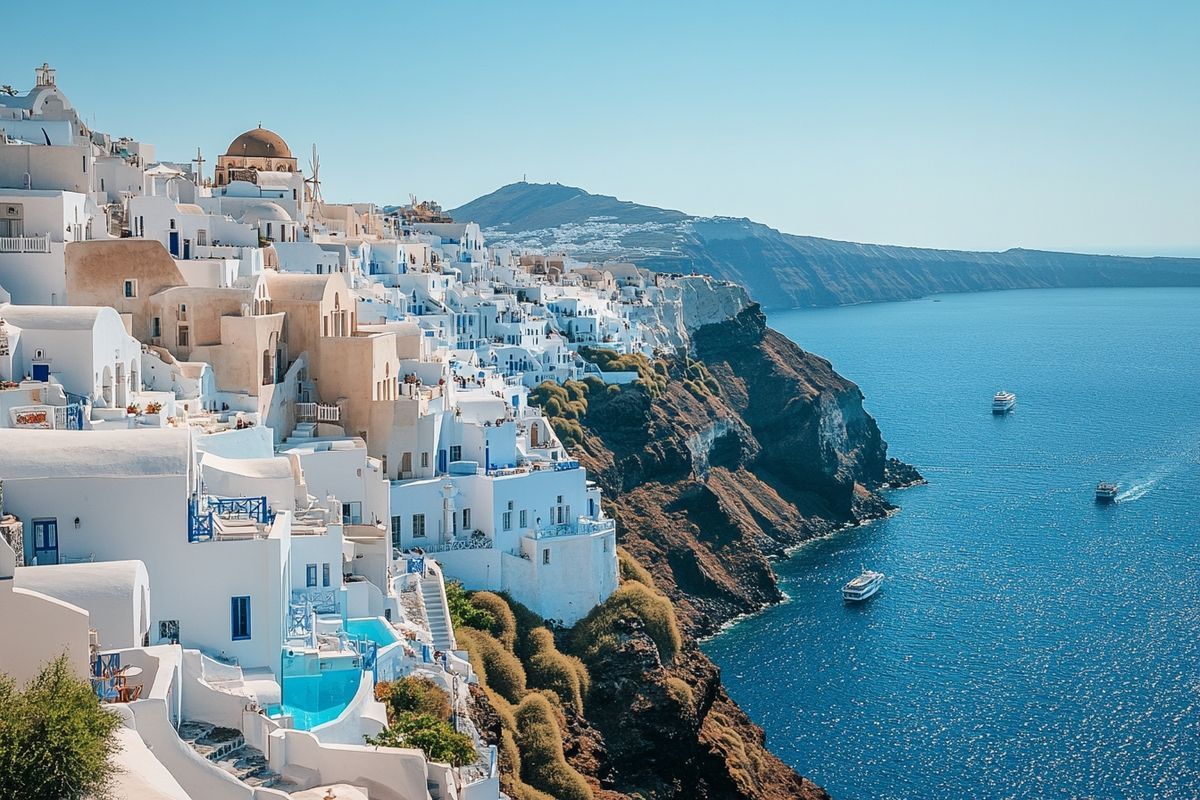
<point x="259" y="143"/>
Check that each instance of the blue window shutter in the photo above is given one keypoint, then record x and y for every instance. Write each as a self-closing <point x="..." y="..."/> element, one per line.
<point x="239" y="618"/>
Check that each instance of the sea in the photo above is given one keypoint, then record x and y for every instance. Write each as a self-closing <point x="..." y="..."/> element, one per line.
<point x="1027" y="642"/>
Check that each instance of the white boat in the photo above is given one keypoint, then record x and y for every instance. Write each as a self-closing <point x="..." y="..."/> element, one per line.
<point x="1106" y="492"/>
<point x="862" y="587"/>
<point x="1003" y="402"/>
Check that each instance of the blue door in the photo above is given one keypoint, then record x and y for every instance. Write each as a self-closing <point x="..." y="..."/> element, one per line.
<point x="174" y="243"/>
<point x="45" y="541"/>
<point x="441" y="460"/>
<point x="41" y="371"/>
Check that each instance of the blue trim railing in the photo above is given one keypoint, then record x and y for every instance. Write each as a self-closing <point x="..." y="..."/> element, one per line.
<point x="254" y="508"/>
<point x="106" y="669"/>
<point x="200" y="523"/>
<point x="559" y="466"/>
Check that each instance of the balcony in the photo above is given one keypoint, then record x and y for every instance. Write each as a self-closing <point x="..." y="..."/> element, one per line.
<point x="25" y="244"/>
<point x="583" y="527"/>
<point x="315" y="412"/>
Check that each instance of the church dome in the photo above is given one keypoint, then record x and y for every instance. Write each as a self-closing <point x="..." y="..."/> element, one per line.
<point x="265" y="211"/>
<point x="259" y="143"/>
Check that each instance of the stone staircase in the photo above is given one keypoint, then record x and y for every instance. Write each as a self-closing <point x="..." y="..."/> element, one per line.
<point x="227" y="748"/>
<point x="432" y="597"/>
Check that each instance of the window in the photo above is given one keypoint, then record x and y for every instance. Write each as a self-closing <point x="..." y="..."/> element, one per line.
<point x="546" y="556"/>
<point x="202" y="237"/>
<point x="325" y="568"/>
<point x="508" y="520"/>
<point x="352" y="513"/>
<point x="239" y="618"/>
<point x="524" y="518"/>
<point x="131" y="288"/>
<point x="396" y="533"/>
<point x="418" y="526"/>
<point x="310" y="575"/>
<point x="183" y="336"/>
<point x="466" y="519"/>
<point x="156" y="327"/>
<point x="424" y="460"/>
<point x="456" y="452"/>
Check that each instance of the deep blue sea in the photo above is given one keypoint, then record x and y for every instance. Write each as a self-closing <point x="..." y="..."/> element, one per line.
<point x="1027" y="642"/>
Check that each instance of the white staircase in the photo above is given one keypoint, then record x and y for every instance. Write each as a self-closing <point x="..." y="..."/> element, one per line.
<point x="433" y="597"/>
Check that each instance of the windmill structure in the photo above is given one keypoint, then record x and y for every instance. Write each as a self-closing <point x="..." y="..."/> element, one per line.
<point x="314" y="186"/>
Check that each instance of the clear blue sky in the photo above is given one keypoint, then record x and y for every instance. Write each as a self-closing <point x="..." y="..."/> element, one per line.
<point x="1072" y="125"/>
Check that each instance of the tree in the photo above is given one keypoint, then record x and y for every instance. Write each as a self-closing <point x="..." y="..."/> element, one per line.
<point x="56" y="740"/>
<point x="424" y="732"/>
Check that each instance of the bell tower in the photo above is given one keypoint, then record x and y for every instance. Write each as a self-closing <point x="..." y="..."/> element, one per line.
<point x="45" y="75"/>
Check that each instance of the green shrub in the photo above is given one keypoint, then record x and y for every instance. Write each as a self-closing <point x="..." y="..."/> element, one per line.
<point x="413" y="694"/>
<point x="505" y="626"/>
<point x="539" y="739"/>
<point x="597" y="634"/>
<point x="498" y="668"/>
<point x="631" y="570"/>
<point x="56" y="740"/>
<point x="681" y="693"/>
<point x="434" y="736"/>
<point x="463" y="613"/>
<point x="547" y="668"/>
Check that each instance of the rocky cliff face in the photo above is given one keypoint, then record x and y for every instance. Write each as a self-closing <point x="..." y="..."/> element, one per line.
<point x="782" y="270"/>
<point x="707" y="487"/>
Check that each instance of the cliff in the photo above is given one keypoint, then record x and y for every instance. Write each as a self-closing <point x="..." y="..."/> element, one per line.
<point x="783" y="270"/>
<point x="713" y="463"/>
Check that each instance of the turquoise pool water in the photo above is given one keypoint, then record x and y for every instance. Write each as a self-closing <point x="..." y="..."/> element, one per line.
<point x="313" y="700"/>
<point x="374" y="628"/>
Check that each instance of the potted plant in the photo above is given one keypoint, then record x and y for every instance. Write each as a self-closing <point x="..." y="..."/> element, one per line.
<point x="153" y="408"/>
<point x="133" y="409"/>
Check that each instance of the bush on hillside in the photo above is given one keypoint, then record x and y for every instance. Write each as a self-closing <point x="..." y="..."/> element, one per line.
<point x="463" y="613"/>
<point x="597" y="633"/>
<point x="547" y="668"/>
<point x="413" y="694"/>
<point x="543" y="765"/>
<point x="498" y="668"/>
<point x="681" y="693"/>
<point x="434" y="736"/>
<point x="56" y="740"/>
<point x="631" y="570"/>
<point x="505" y="626"/>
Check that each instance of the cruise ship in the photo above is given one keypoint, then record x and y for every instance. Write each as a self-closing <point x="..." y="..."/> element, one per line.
<point x="1106" y="492"/>
<point x="862" y="587"/>
<point x="1003" y="402"/>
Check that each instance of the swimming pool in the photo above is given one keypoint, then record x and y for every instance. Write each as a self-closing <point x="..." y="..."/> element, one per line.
<point x="313" y="700"/>
<point x="376" y="629"/>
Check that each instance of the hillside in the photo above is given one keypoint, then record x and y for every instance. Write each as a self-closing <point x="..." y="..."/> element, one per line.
<point x="783" y="270"/>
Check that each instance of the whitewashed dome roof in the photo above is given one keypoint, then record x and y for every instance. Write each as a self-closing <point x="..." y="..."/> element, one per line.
<point x="265" y="211"/>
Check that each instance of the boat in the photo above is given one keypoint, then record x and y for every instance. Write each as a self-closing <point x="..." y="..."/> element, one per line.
<point x="1003" y="402"/>
<point x="862" y="587"/>
<point x="1106" y="492"/>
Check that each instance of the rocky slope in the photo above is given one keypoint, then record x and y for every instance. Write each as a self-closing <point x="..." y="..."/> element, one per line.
<point x="782" y="270"/>
<point x="708" y="489"/>
<point x="711" y="471"/>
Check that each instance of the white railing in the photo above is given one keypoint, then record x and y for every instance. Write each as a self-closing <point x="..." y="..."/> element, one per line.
<point x="584" y="526"/>
<point x="474" y="543"/>
<point x="317" y="413"/>
<point x="25" y="244"/>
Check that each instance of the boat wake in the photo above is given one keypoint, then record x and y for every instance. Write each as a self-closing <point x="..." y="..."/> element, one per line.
<point x="1137" y="491"/>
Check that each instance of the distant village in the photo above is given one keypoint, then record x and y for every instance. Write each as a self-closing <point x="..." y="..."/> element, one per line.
<point x="248" y="437"/>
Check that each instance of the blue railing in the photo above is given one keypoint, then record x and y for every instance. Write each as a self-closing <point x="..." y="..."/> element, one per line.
<point x="254" y="508"/>
<point x="200" y="523"/>
<point x="105" y="674"/>
<point x="559" y="466"/>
